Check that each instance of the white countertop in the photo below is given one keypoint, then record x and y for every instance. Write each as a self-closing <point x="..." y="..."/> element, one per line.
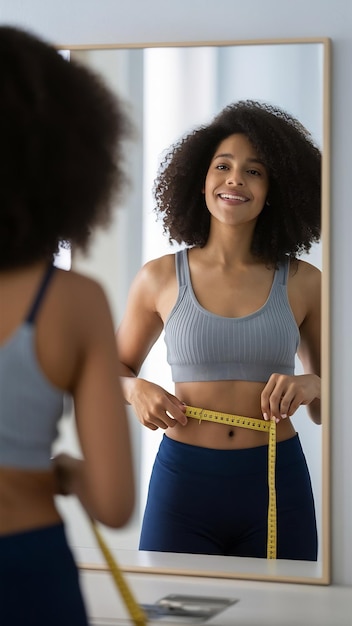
<point x="259" y="602"/>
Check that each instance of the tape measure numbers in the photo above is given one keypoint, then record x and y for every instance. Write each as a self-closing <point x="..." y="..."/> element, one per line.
<point x="253" y="424"/>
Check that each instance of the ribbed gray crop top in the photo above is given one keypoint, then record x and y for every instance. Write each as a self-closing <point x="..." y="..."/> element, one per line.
<point x="30" y="406"/>
<point x="202" y="346"/>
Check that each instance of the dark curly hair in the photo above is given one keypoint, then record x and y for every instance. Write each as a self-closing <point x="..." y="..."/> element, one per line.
<point x="291" y="222"/>
<point x="61" y="144"/>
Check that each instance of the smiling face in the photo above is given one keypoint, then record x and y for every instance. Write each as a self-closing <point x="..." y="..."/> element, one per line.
<point x="237" y="182"/>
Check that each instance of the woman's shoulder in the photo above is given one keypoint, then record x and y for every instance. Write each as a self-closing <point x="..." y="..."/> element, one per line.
<point x="160" y="267"/>
<point x="153" y="279"/>
<point x="80" y="296"/>
<point x="306" y="276"/>
<point x="304" y="269"/>
<point x="74" y="282"/>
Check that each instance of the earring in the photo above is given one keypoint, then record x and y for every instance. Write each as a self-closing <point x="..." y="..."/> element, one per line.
<point x="267" y="203"/>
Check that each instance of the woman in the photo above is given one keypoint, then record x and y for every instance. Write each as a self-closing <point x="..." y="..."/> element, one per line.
<point x="60" y="156"/>
<point x="236" y="305"/>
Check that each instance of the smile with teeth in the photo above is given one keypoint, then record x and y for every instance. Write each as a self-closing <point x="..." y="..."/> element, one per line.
<point x="230" y="196"/>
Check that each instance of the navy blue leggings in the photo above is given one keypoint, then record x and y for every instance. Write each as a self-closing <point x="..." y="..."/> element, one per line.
<point x="208" y="501"/>
<point x="39" y="583"/>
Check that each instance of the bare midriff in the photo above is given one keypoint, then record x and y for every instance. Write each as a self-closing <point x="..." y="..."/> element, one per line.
<point x="234" y="397"/>
<point x="26" y="500"/>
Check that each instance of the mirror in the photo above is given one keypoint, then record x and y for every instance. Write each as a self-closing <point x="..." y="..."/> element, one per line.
<point x="170" y="89"/>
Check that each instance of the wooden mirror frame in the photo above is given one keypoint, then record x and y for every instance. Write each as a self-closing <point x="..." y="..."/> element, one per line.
<point x="260" y="569"/>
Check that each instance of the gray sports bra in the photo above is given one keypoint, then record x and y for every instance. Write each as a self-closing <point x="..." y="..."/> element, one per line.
<point x="30" y="406"/>
<point x="202" y="346"/>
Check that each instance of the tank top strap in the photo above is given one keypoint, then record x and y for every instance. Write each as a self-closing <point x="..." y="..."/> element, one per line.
<point x="283" y="271"/>
<point x="40" y="294"/>
<point x="181" y="267"/>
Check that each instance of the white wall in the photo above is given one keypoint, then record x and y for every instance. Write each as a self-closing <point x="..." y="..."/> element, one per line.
<point x="68" y="22"/>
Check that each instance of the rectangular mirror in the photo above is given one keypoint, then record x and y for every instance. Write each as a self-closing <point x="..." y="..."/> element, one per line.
<point x="169" y="89"/>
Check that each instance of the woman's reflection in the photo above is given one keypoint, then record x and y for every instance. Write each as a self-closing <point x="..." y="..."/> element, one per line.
<point x="243" y="196"/>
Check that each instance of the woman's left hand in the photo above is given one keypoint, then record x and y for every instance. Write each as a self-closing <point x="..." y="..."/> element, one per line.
<point x="282" y="395"/>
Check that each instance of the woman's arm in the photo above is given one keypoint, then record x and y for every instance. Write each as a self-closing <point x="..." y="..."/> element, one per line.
<point x="139" y="330"/>
<point x="103" y="480"/>
<point x="284" y="394"/>
<point x="309" y="350"/>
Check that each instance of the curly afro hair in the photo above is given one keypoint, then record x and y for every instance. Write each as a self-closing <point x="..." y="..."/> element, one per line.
<point x="62" y="135"/>
<point x="292" y="220"/>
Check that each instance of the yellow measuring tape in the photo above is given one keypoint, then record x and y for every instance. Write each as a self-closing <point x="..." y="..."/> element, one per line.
<point x="253" y="424"/>
<point x="136" y="612"/>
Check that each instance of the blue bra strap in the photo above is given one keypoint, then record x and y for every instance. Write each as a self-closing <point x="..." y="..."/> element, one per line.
<point x="41" y="291"/>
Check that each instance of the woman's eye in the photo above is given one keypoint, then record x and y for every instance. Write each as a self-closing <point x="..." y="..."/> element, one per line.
<point x="254" y="172"/>
<point x="222" y="166"/>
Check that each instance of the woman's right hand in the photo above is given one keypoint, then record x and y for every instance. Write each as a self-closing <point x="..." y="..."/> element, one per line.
<point x="155" y="407"/>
